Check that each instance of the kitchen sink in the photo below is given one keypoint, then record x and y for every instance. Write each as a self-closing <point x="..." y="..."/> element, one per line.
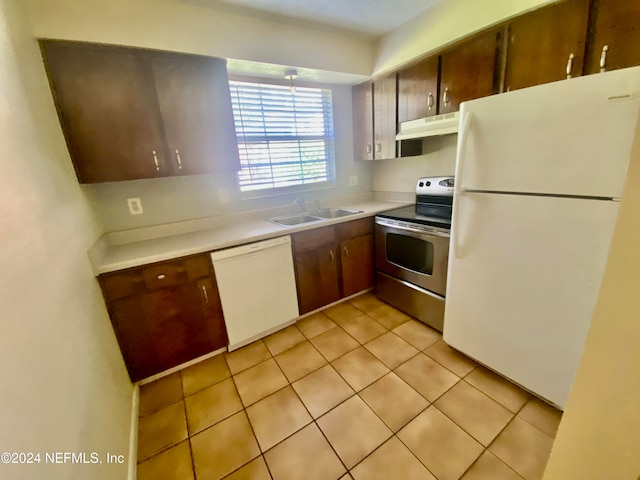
<point x="291" y="220"/>
<point x="335" y="213"/>
<point x="301" y="218"/>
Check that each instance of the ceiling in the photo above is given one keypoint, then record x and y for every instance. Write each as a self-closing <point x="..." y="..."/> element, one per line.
<point x="367" y="18"/>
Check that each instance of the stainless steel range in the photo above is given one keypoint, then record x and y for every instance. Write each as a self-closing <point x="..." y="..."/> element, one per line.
<point x="412" y="251"/>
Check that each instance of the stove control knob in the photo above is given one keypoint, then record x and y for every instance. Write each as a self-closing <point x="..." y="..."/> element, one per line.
<point x="421" y="184"/>
<point x="428" y="184"/>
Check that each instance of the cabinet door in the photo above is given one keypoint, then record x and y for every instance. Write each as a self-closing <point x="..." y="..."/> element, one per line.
<point x="468" y="71"/>
<point x="363" y="121"/>
<point x="212" y="308"/>
<point x="317" y="278"/>
<point x="616" y="26"/>
<point x="418" y="90"/>
<point x="384" y="117"/>
<point x="108" y="111"/>
<point x="164" y="328"/>
<point x="357" y="264"/>
<point x="546" y="44"/>
<point x="195" y="104"/>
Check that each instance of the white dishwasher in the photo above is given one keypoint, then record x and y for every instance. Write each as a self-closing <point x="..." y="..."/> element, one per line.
<point x="257" y="289"/>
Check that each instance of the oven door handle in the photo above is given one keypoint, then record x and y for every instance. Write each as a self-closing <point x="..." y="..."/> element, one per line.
<point x="413" y="230"/>
<point x="459" y="189"/>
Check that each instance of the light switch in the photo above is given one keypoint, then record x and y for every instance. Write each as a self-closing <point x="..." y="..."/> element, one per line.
<point x="353" y="180"/>
<point x="135" y="206"/>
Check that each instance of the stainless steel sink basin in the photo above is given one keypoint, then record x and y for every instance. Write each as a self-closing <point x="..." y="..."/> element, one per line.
<point x="291" y="220"/>
<point x="300" y="218"/>
<point x="335" y="213"/>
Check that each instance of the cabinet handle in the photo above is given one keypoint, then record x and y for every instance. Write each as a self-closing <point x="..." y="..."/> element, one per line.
<point x="331" y="255"/>
<point x="430" y="100"/>
<point x="178" y="159"/>
<point x="569" y="66"/>
<point x="161" y="276"/>
<point x="378" y="147"/>
<point x="346" y="252"/>
<point x="368" y="148"/>
<point x="603" y="58"/>
<point x="445" y="97"/>
<point x="205" y="294"/>
<point x="155" y="160"/>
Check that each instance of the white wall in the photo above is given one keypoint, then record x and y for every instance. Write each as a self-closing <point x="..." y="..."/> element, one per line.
<point x="64" y="386"/>
<point x="400" y="175"/>
<point x="445" y="22"/>
<point x="190" y="27"/>
<point x="598" y="437"/>
<point x="169" y="200"/>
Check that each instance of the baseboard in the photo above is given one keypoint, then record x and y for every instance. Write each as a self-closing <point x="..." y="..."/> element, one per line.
<point x="133" y="434"/>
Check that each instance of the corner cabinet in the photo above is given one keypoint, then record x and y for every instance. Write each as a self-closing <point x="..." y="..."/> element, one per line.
<point x="130" y="114"/>
<point x="333" y="262"/>
<point x="165" y="314"/>
<point x="374" y="115"/>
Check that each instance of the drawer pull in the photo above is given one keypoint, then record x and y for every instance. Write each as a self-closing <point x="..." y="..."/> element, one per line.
<point x="445" y="97"/>
<point x="369" y="148"/>
<point x="430" y="100"/>
<point x="205" y="294"/>
<point x="161" y="276"/>
<point x="178" y="159"/>
<point x="346" y="252"/>
<point x="331" y="255"/>
<point x="603" y="58"/>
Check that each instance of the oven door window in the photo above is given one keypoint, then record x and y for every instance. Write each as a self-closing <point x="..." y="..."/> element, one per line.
<point x="411" y="253"/>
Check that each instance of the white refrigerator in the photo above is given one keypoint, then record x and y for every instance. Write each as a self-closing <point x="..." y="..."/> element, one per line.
<point x="539" y="177"/>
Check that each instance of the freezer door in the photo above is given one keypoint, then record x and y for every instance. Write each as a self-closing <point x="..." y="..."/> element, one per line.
<point x="524" y="277"/>
<point x="571" y="137"/>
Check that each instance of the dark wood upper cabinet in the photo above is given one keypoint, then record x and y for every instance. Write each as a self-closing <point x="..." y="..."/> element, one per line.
<point x="547" y="45"/>
<point x="384" y="117"/>
<point x="418" y="91"/>
<point x="195" y="106"/>
<point x="468" y="71"/>
<point x="615" y="33"/>
<point x="108" y="111"/>
<point x="363" y="121"/>
<point x="125" y="112"/>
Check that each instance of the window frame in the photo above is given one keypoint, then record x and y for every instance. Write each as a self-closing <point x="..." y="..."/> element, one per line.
<point x="278" y="191"/>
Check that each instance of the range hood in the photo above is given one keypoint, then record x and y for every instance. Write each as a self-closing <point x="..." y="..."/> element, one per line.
<point x="444" y="124"/>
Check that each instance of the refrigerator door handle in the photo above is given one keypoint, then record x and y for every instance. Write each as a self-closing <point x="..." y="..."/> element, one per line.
<point x="462" y="147"/>
<point x="459" y="189"/>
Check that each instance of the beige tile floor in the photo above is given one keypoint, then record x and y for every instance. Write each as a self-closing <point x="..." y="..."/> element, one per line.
<point x="358" y="391"/>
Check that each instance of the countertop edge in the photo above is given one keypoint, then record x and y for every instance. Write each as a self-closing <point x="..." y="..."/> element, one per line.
<point x="107" y="258"/>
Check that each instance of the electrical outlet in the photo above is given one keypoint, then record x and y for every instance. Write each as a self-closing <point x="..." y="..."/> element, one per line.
<point x="353" y="180"/>
<point x="135" y="206"/>
<point x="223" y="195"/>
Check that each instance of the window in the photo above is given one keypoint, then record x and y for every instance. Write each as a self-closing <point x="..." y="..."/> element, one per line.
<point x="285" y="139"/>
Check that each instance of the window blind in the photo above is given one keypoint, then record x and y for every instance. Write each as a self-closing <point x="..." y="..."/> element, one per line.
<point x="284" y="138"/>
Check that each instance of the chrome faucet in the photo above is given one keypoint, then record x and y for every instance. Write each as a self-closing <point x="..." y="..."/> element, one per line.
<point x="300" y="202"/>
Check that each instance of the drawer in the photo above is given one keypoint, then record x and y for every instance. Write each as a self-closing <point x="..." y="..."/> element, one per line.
<point x="166" y="274"/>
<point x="355" y="228"/>
<point x="136" y="281"/>
<point x="121" y="284"/>
<point x="314" y="238"/>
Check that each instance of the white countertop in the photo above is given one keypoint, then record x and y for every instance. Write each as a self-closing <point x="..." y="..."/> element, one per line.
<point x="113" y="252"/>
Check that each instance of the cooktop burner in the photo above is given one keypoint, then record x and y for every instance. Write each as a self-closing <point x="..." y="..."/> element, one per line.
<point x="409" y="214"/>
<point x="434" y="201"/>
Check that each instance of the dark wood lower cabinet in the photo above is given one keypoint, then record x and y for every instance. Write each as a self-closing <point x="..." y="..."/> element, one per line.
<point x="333" y="262"/>
<point x="317" y="279"/>
<point x="161" y="326"/>
<point x="356" y="257"/>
